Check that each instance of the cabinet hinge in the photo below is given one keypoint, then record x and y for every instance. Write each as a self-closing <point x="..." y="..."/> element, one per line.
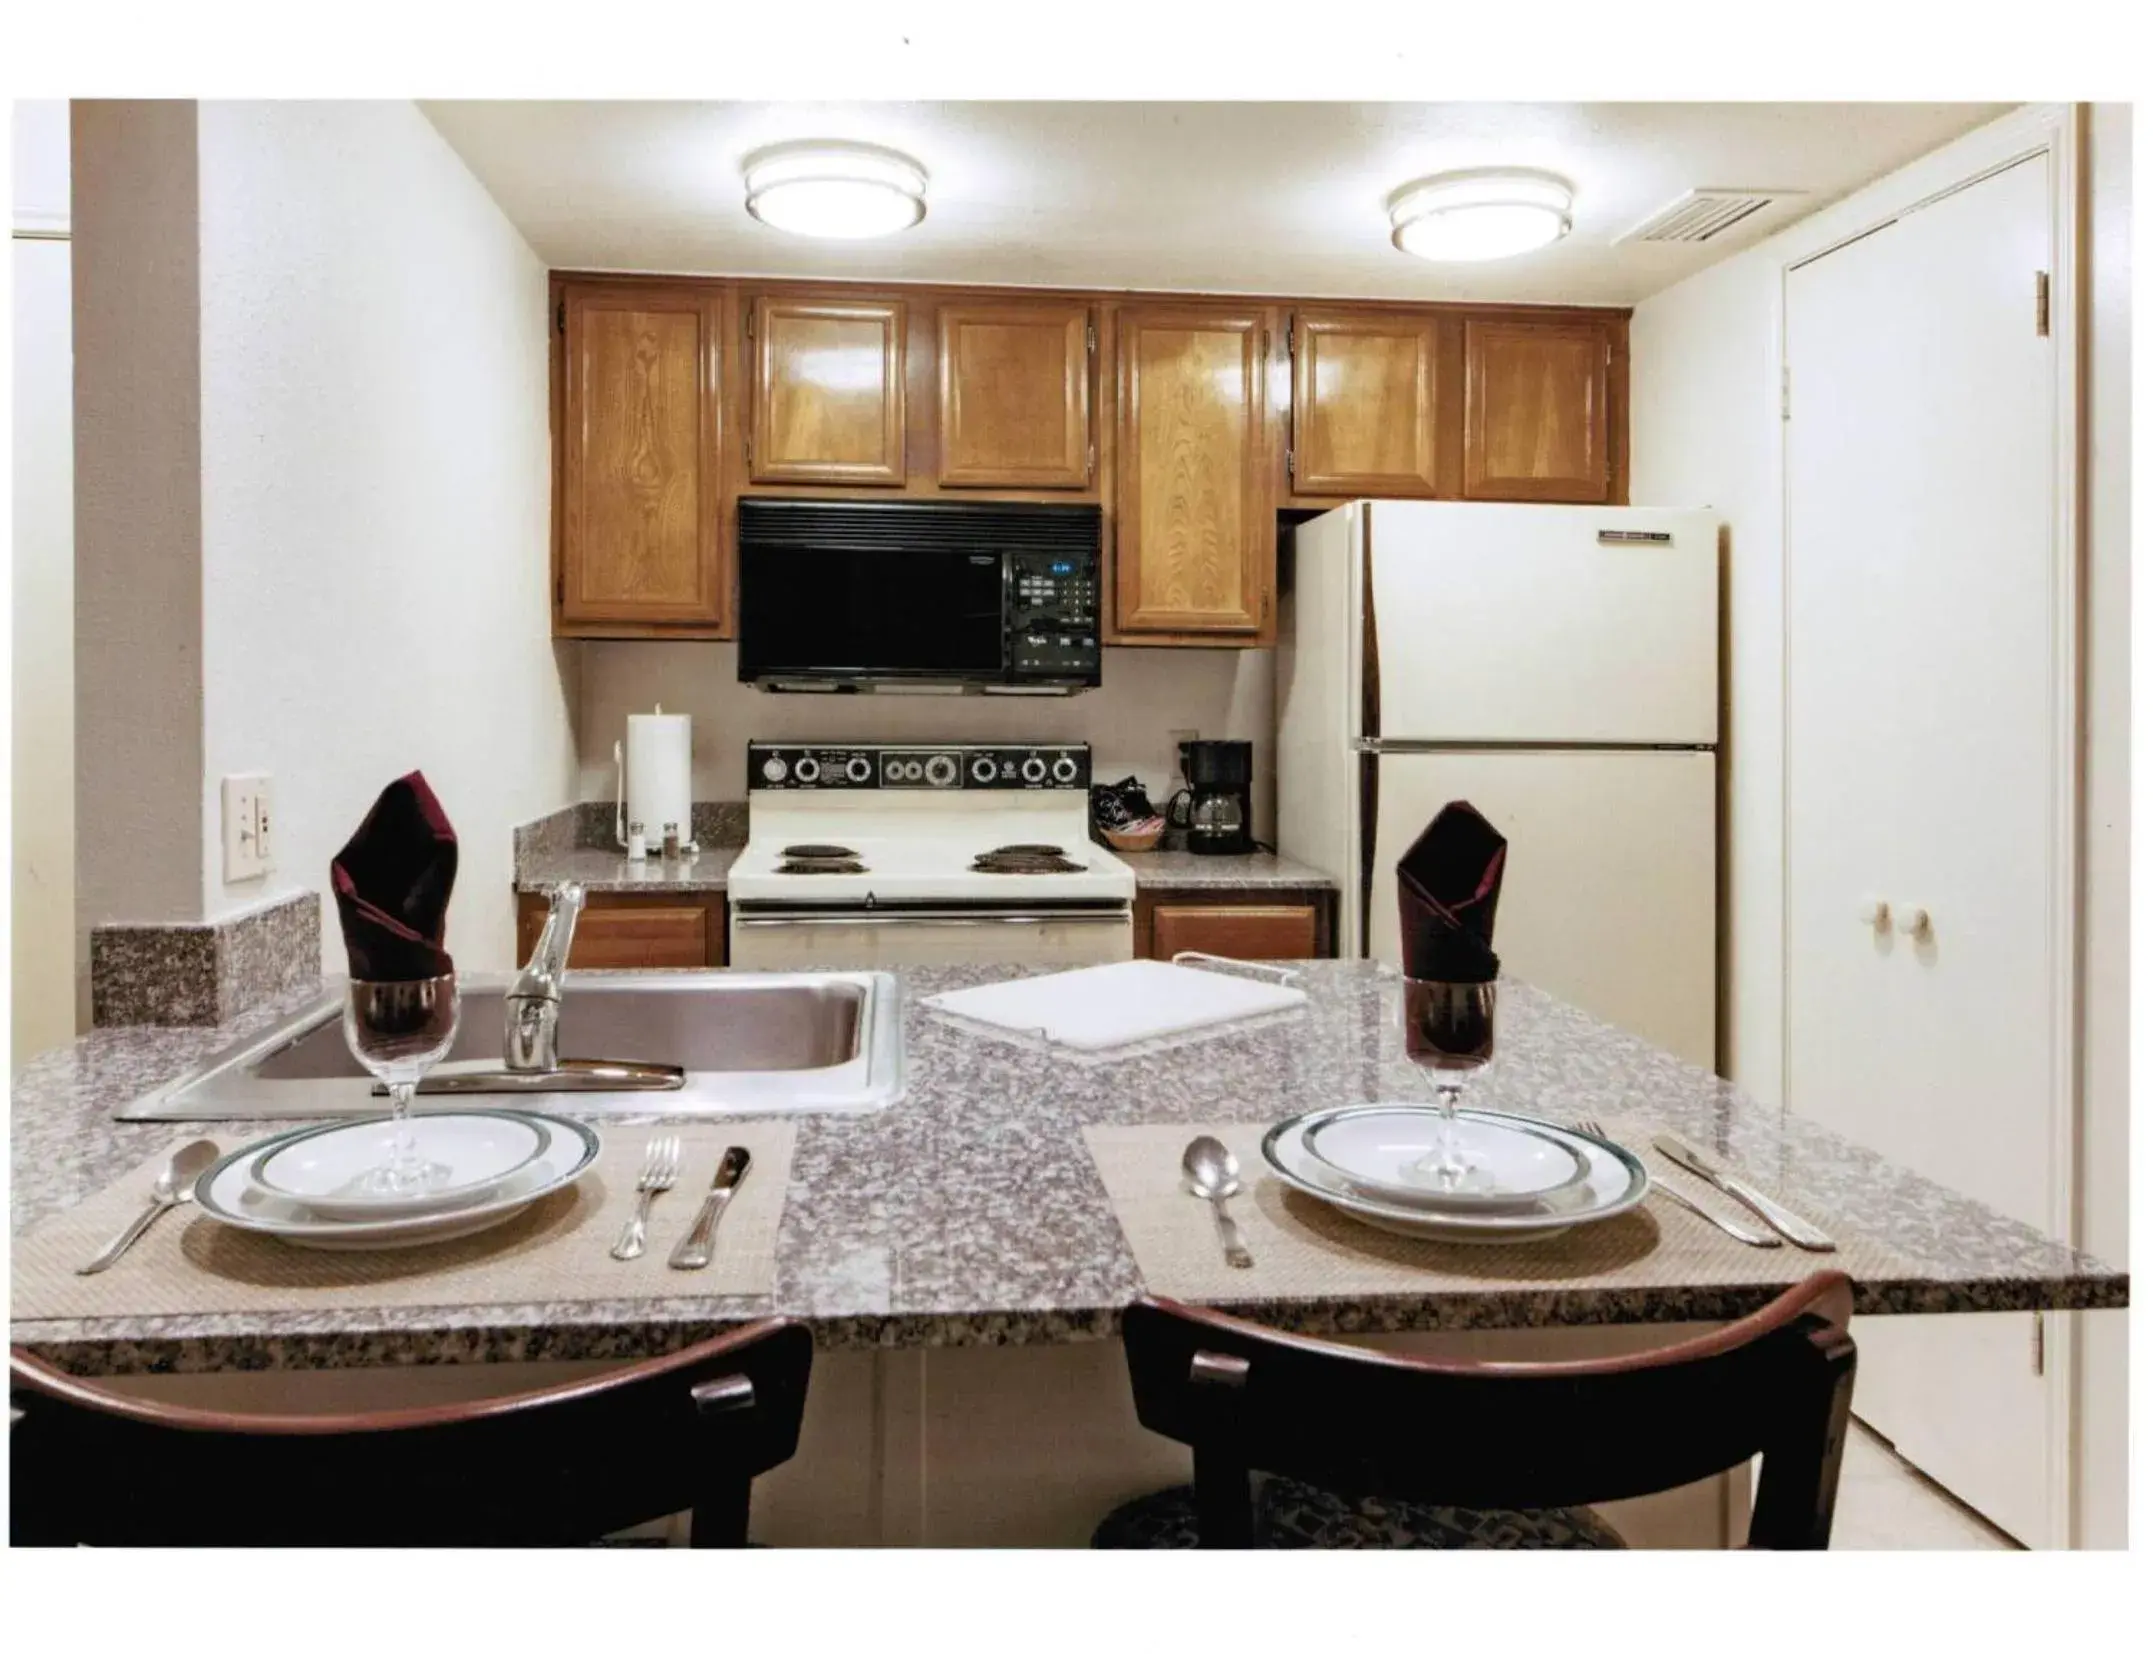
<point x="1786" y="391"/>
<point x="2040" y="303"/>
<point x="747" y="320"/>
<point x="1289" y="338"/>
<point x="1091" y="340"/>
<point x="560" y="316"/>
<point x="1289" y="465"/>
<point x="1091" y="459"/>
<point x="2040" y="1344"/>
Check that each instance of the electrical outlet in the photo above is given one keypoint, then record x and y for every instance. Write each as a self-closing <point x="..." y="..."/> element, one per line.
<point x="1174" y="738"/>
<point x="246" y="828"/>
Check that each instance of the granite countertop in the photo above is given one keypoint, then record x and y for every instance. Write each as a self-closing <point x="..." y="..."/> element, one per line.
<point x="608" y="870"/>
<point x="970" y="1212"/>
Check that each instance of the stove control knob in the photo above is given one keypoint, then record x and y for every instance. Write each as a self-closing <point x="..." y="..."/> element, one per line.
<point x="774" y="768"/>
<point x="1035" y="769"/>
<point x="1065" y="770"/>
<point x="858" y="770"/>
<point x="807" y="771"/>
<point x="983" y="771"/>
<point x="941" y="770"/>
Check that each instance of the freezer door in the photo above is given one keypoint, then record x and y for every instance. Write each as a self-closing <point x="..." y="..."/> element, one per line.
<point x="1543" y="623"/>
<point x="1610" y="890"/>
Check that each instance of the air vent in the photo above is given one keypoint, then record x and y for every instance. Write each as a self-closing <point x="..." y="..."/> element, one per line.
<point x="1703" y="214"/>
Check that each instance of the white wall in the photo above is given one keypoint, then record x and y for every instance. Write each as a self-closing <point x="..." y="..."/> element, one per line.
<point x="1221" y="693"/>
<point x="1705" y="423"/>
<point x="374" y="465"/>
<point x="44" y="981"/>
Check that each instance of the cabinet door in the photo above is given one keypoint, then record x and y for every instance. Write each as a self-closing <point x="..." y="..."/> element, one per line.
<point x="1364" y="404"/>
<point x="1194" y="531"/>
<point x="826" y="399"/>
<point x="1536" y="411"/>
<point x="631" y="935"/>
<point x="1241" y="931"/>
<point x="639" y="434"/>
<point x="1015" y="395"/>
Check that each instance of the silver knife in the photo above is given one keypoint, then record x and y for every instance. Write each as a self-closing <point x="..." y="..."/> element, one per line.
<point x="694" y="1249"/>
<point x="1799" y="1230"/>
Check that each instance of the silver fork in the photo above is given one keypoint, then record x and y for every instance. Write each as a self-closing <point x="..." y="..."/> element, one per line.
<point x="661" y="1164"/>
<point x="1740" y="1231"/>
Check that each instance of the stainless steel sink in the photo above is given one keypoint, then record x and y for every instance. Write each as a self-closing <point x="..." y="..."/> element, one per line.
<point x="750" y="1043"/>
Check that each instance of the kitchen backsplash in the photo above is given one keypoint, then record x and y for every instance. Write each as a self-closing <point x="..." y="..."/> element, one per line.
<point x="1224" y="694"/>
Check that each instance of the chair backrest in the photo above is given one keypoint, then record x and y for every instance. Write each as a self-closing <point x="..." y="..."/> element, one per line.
<point x="1506" y="1435"/>
<point x="564" y="1465"/>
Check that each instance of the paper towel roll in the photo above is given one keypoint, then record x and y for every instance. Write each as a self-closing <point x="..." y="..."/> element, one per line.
<point x="659" y="773"/>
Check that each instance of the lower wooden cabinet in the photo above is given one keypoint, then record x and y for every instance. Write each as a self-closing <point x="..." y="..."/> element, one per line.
<point x="1293" y="926"/>
<point x="634" y="932"/>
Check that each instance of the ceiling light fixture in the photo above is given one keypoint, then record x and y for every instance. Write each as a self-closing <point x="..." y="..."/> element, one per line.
<point x="1495" y="212"/>
<point x="844" y="191"/>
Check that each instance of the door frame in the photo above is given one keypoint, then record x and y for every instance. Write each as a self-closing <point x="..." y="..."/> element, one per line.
<point x="2054" y="133"/>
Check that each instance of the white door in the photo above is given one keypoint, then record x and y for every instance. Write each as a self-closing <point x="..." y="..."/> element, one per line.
<point x="1544" y="624"/>
<point x="1925" y="771"/>
<point x="1610" y="887"/>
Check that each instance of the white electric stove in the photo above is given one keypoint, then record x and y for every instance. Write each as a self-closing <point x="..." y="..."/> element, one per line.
<point x="866" y="855"/>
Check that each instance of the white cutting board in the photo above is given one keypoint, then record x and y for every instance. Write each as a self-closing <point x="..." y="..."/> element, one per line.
<point x="1103" y="1006"/>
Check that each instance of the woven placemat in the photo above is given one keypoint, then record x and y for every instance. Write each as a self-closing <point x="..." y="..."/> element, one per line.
<point x="555" y="1250"/>
<point x="1304" y="1248"/>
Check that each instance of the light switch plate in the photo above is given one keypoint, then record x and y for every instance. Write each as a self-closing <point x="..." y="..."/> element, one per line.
<point x="246" y="828"/>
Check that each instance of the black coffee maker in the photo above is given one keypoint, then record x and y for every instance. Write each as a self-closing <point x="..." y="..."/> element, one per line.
<point x="1214" y="810"/>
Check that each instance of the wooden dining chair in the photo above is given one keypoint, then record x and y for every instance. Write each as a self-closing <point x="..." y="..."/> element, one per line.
<point x="559" y="1466"/>
<point x="1350" y="1448"/>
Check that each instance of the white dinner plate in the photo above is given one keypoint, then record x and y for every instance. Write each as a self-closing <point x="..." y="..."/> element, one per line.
<point x="479" y="1149"/>
<point x="228" y="1194"/>
<point x="1377" y="1149"/>
<point x="1616" y="1182"/>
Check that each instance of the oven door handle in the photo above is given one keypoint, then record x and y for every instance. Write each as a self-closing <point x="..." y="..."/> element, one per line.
<point x="1041" y="916"/>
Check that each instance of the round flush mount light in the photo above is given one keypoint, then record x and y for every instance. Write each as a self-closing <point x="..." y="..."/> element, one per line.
<point x="1492" y="213"/>
<point x="842" y="191"/>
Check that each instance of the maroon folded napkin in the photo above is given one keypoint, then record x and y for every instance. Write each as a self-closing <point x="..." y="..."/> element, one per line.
<point x="392" y="884"/>
<point x="1448" y="884"/>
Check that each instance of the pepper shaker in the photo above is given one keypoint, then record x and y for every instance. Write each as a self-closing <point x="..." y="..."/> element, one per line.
<point x="672" y="841"/>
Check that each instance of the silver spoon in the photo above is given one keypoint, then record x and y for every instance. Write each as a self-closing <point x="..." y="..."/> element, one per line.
<point x="175" y="1187"/>
<point x="1215" y="1175"/>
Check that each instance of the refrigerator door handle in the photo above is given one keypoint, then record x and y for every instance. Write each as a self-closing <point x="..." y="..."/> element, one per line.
<point x="1370" y="786"/>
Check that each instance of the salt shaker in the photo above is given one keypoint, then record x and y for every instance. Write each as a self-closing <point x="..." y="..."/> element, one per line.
<point x="637" y="850"/>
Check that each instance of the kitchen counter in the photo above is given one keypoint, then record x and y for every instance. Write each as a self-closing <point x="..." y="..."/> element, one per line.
<point x="1184" y="870"/>
<point x="970" y="1213"/>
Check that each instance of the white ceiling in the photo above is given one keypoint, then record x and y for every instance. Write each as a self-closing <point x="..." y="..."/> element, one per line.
<point x="1231" y="197"/>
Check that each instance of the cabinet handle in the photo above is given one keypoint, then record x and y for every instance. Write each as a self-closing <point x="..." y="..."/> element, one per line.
<point x="1915" y="923"/>
<point x="1876" y="913"/>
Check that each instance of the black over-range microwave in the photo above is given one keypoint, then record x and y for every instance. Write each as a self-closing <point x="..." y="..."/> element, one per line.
<point x="846" y="594"/>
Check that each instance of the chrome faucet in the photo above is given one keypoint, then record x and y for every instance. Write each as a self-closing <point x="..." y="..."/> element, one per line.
<point x="530" y="1038"/>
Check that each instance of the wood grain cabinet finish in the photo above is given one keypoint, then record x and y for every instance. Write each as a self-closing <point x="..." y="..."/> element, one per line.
<point x="618" y="932"/>
<point x="1195" y="527"/>
<point x="1284" y="930"/>
<point x="639" y="487"/>
<point x="1536" y="411"/>
<point x="1013" y="386"/>
<point x="826" y="391"/>
<point x="1364" y="403"/>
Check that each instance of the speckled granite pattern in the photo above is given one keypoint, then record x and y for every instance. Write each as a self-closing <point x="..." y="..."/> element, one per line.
<point x="577" y="843"/>
<point x="1184" y="870"/>
<point x="969" y="1213"/>
<point x="201" y="974"/>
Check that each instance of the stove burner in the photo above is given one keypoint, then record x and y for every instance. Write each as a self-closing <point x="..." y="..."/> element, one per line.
<point x="818" y="852"/>
<point x="821" y="864"/>
<point x="1025" y="858"/>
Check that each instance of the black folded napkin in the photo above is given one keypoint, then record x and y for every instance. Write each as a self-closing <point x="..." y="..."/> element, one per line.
<point x="1448" y="884"/>
<point x="392" y="884"/>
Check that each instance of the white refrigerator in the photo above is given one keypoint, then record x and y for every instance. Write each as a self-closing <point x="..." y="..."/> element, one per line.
<point x="1558" y="667"/>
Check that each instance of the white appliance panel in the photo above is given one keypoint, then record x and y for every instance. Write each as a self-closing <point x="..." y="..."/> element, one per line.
<point x="1610" y="892"/>
<point x="1318" y="688"/>
<point x="861" y="941"/>
<point x="1517" y="623"/>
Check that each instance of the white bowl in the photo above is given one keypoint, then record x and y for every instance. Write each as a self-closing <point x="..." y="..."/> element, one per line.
<point x="320" y="1169"/>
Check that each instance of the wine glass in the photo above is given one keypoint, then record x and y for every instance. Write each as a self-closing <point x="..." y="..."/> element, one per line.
<point x="398" y="1030"/>
<point x="1449" y="1033"/>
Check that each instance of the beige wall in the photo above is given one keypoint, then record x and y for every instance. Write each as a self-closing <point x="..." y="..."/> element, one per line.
<point x="43" y="987"/>
<point x="375" y="496"/>
<point x="1144" y="693"/>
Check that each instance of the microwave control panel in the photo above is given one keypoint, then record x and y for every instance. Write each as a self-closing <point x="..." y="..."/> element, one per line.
<point x="1054" y="614"/>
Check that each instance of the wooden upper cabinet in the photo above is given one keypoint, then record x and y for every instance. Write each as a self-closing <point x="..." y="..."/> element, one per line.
<point x="639" y="542"/>
<point x="1364" y="403"/>
<point x="826" y="391"/>
<point x="1195" y="526"/>
<point x="1536" y="411"/>
<point x="1014" y="392"/>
